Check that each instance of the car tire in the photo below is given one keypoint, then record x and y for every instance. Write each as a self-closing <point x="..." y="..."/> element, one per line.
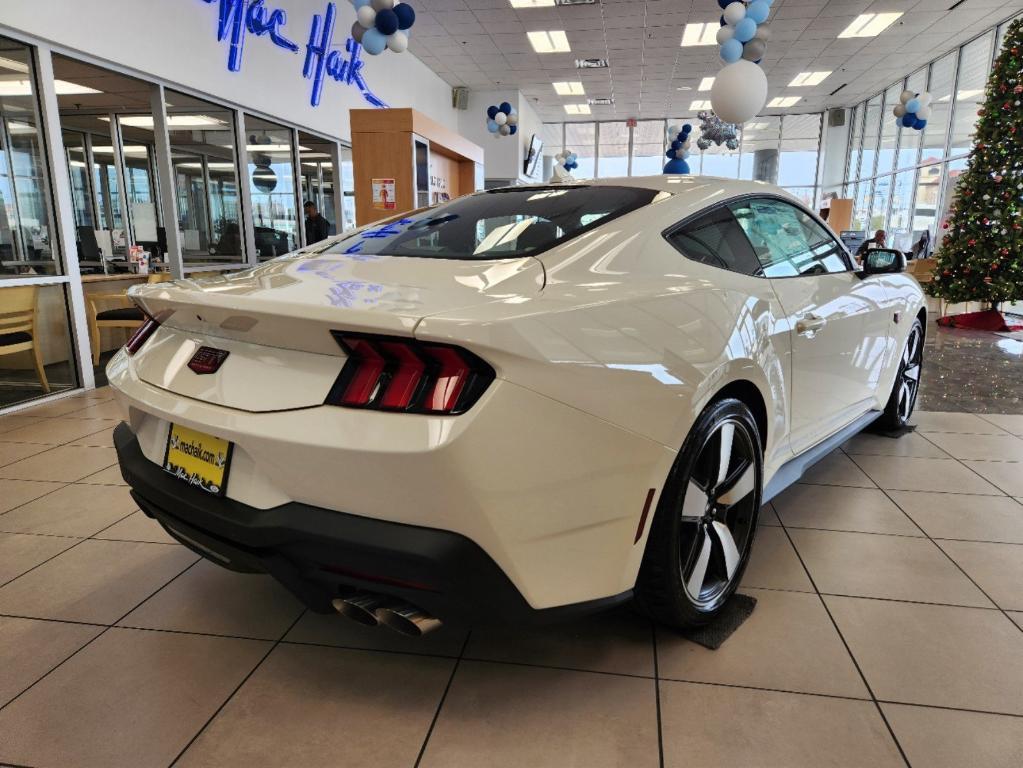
<point x="706" y="519"/>
<point x="902" y="399"/>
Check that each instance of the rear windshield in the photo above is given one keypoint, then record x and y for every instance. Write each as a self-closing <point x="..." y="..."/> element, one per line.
<point x="501" y="223"/>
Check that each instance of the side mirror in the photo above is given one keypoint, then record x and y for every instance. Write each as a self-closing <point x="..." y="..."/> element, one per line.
<point x="883" y="261"/>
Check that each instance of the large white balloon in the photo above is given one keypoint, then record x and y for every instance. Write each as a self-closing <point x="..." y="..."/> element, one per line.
<point x="366" y="16"/>
<point x="739" y="91"/>
<point x="734" y="13"/>
<point x="397" y="41"/>
<point x="924" y="113"/>
<point x="500" y="118"/>
<point x="725" y="34"/>
<point x="925" y="100"/>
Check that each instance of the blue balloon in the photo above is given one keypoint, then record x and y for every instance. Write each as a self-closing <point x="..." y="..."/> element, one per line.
<point x="908" y="119"/>
<point x="758" y="10"/>
<point x="919" y="124"/>
<point x="723" y="22"/>
<point x="745" y="30"/>
<point x="513" y="129"/>
<point x="676" y="144"/>
<point x="505" y="107"/>
<point x="492" y="112"/>
<point x="769" y="2"/>
<point x="373" y="42"/>
<point x="724" y="3"/>
<point x="492" y="126"/>
<point x="406" y="15"/>
<point x="731" y="51"/>
<point x="676" y="166"/>
<point x="572" y="158"/>
<point x="913" y="105"/>
<point x="386" y="21"/>
<point x="670" y="153"/>
<point x="687" y="129"/>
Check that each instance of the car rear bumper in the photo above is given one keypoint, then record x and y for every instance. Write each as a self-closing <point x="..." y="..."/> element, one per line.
<point x="319" y="553"/>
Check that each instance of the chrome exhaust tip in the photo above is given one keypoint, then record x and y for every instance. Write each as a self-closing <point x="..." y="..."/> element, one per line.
<point x="360" y="607"/>
<point x="407" y="620"/>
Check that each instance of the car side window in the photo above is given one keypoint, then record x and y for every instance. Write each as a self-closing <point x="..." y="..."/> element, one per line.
<point x="787" y="241"/>
<point x="715" y="238"/>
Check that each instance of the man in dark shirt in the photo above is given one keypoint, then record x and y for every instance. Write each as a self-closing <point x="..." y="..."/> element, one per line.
<point x="316" y="227"/>
<point x="877" y="241"/>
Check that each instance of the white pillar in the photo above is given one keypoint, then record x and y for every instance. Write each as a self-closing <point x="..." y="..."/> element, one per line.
<point x="244" y="187"/>
<point x="165" y="170"/>
<point x="337" y="187"/>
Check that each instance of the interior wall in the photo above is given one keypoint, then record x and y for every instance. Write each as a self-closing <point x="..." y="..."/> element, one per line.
<point x="504" y="157"/>
<point x="834" y="151"/>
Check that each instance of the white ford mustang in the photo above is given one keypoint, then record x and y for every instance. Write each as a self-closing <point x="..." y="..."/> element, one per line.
<point x="523" y="403"/>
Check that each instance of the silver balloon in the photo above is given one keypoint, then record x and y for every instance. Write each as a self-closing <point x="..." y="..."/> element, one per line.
<point x="754" y="49"/>
<point x="357" y="31"/>
<point x="715" y="131"/>
<point x="764" y="32"/>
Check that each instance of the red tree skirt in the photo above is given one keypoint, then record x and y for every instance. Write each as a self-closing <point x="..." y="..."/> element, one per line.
<point x="988" y="320"/>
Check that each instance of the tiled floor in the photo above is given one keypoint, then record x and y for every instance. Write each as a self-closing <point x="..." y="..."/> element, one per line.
<point x="888" y="631"/>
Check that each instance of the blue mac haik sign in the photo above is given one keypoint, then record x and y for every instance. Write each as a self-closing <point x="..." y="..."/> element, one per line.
<point x="239" y="19"/>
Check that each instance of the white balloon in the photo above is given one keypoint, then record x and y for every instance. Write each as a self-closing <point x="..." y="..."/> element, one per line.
<point x="739" y="91"/>
<point x="725" y="34"/>
<point x="924" y="112"/>
<point x="500" y="118"/>
<point x="379" y="5"/>
<point x="764" y="32"/>
<point x="900" y="110"/>
<point x="906" y="96"/>
<point x="504" y="130"/>
<point x="513" y="119"/>
<point x="734" y="13"/>
<point x="367" y="16"/>
<point x="925" y="100"/>
<point x="397" y="41"/>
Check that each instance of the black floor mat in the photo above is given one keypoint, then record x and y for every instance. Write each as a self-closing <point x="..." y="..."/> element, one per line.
<point x="736" y="611"/>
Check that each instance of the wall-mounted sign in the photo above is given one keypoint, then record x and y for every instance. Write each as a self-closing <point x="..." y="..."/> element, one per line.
<point x="383" y="194"/>
<point x="238" y="19"/>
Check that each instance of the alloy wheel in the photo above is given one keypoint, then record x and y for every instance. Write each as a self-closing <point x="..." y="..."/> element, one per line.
<point x="909" y="373"/>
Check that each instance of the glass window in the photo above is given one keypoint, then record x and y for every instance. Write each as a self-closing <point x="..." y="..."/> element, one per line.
<point x="871" y="128"/>
<point x="925" y="203"/>
<point x="140" y="186"/>
<point x="27" y="239"/>
<point x="715" y="238"/>
<point x="614" y="150"/>
<point x="889" y="130"/>
<point x="205" y="181"/>
<point x="879" y="204"/>
<point x="581" y="139"/>
<point x="78" y="171"/>
<point x="317" y="175"/>
<point x="943" y="73"/>
<point x="973" y="71"/>
<point x="787" y="241"/>
<point x="800" y="143"/>
<point x="553" y="138"/>
<point x="504" y="223"/>
<point x="648" y="147"/>
<point x="760" y="140"/>
<point x="909" y="140"/>
<point x="272" y="187"/>
<point x="855" y="143"/>
<point x="348" y="185"/>
<point x="806" y="195"/>
<point x="900" y="220"/>
<point x="861" y="208"/>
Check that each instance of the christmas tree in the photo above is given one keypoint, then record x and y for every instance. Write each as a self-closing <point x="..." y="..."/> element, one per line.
<point x="981" y="253"/>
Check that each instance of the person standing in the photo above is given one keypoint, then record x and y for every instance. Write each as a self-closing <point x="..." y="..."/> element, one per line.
<point x="317" y="228"/>
<point x="877" y="241"/>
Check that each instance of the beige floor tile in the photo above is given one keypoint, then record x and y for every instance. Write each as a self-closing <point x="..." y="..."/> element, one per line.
<point x="899" y="473"/>
<point x="507" y="716"/>
<point x="789" y="643"/>
<point x="997" y="568"/>
<point x="19" y="553"/>
<point x="979" y="447"/>
<point x="213" y="600"/>
<point x="57" y="408"/>
<point x="131" y="698"/>
<point x="967" y="658"/>
<point x="941" y="421"/>
<point x="74" y="510"/>
<point x="768" y="516"/>
<point x="97" y="581"/>
<point x="837" y="469"/>
<point x="30" y="648"/>
<point x="1007" y="476"/>
<point x="1009" y="422"/>
<point x="65" y="463"/>
<point x="945" y="738"/>
<point x="102" y="439"/>
<point x="961" y="516"/>
<point x="12" y="452"/>
<point x="312" y="706"/>
<point x="1017" y="616"/>
<point x="618" y="641"/>
<point x="708" y="726"/>
<point x="57" y="431"/>
<point x="335" y="630"/>
<point x="910" y="444"/>
<point x="891" y="567"/>
<point x="109" y="476"/>
<point x="867" y="510"/>
<point x="106" y="409"/>
<point x="14" y="493"/>
<point x="773" y="563"/>
<point x="136" y="527"/>
<point x="18" y="420"/>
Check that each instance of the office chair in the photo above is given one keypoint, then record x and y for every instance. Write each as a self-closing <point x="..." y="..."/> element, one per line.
<point x="120" y="313"/>
<point x="19" y="313"/>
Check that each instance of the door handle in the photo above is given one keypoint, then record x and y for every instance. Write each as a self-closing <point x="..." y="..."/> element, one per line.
<point x="809" y="324"/>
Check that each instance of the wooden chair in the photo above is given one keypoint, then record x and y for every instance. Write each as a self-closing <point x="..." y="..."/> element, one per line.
<point x="18" y="319"/>
<point x="923" y="271"/>
<point x="115" y="310"/>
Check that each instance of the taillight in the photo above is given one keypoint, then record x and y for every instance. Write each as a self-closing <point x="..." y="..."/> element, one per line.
<point x="141" y="335"/>
<point x="392" y="373"/>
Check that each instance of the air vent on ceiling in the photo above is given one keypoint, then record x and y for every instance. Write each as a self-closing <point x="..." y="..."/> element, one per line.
<point x="601" y="102"/>
<point x="590" y="63"/>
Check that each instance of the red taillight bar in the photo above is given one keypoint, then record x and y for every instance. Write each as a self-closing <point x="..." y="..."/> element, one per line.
<point x="141" y="335"/>
<point x="393" y="373"/>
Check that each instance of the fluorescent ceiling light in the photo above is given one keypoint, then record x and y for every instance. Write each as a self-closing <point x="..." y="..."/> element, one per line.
<point x="13" y="65"/>
<point x="24" y="88"/>
<point x="271" y="148"/>
<point x="783" y="101"/>
<point x="577" y="109"/>
<point x="573" y="88"/>
<point x="700" y="34"/>
<point x="870" y="24"/>
<point x="213" y="166"/>
<point x="20" y="128"/>
<point x="129" y="149"/>
<point x="804" y="79"/>
<point x="706" y="84"/>
<point x="699" y="104"/>
<point x="174" y="122"/>
<point x="552" y="41"/>
<point x="531" y="3"/>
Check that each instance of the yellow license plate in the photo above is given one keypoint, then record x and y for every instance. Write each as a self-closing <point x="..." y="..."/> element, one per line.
<point x="197" y="458"/>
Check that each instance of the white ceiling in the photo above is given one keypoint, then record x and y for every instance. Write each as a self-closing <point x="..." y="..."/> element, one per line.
<point x="482" y="44"/>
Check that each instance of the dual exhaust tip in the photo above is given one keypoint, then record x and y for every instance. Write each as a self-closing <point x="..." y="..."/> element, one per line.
<point x="371" y="610"/>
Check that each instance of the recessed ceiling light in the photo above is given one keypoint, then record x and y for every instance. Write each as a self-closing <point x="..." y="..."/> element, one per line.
<point x="783" y="101"/>
<point x="700" y="34"/>
<point x="577" y="109"/>
<point x="809" y="78"/>
<point x="552" y="41"/>
<point x="699" y="104"/>
<point x="684" y="88"/>
<point x="870" y="24"/>
<point x="706" y="84"/>
<point x="174" y="122"/>
<point x="531" y="3"/>
<point x="573" y="88"/>
<point x="24" y="88"/>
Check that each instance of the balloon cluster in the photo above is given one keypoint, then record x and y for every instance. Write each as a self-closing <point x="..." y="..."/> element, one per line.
<point x="913" y="110"/>
<point x="502" y="120"/>
<point x="743" y="34"/>
<point x="567" y="160"/>
<point x="381" y="24"/>
<point x="714" y="130"/>
<point x="678" y="149"/>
